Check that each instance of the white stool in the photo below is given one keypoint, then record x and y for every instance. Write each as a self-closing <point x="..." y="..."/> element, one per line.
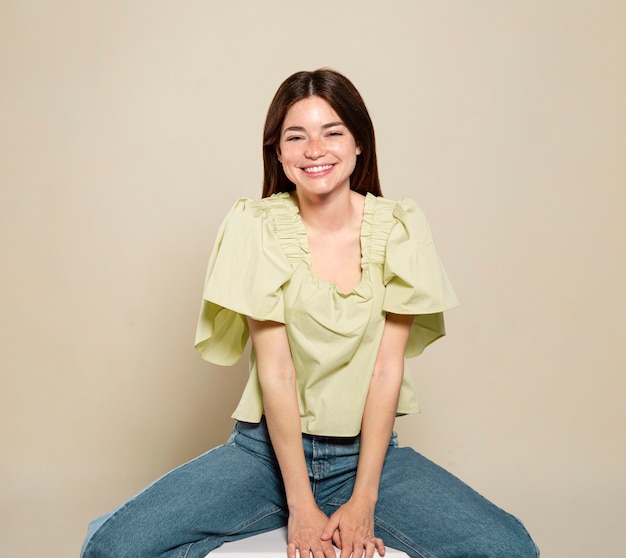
<point x="272" y="544"/>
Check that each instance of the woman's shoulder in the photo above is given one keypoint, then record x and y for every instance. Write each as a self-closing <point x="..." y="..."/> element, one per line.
<point x="385" y="212"/>
<point x="247" y="211"/>
<point x="273" y="222"/>
<point x="264" y="207"/>
<point x="397" y="208"/>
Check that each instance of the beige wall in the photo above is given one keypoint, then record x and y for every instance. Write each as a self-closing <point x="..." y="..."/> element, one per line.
<point x="127" y="130"/>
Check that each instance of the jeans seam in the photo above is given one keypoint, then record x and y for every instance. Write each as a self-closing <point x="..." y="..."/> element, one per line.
<point x="261" y="515"/>
<point x="272" y="466"/>
<point x="238" y="529"/>
<point x="420" y="552"/>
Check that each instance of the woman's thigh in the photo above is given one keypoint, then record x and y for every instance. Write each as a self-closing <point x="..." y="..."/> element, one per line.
<point x="225" y="494"/>
<point x="427" y="512"/>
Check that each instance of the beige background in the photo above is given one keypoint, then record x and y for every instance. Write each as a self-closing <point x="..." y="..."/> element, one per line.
<point x="129" y="128"/>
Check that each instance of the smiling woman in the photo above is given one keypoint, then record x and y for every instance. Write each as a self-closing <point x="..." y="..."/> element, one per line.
<point x="317" y="150"/>
<point x="335" y="286"/>
<point x="347" y="111"/>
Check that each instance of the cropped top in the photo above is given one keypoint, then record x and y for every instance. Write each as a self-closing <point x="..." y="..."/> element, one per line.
<point x="260" y="267"/>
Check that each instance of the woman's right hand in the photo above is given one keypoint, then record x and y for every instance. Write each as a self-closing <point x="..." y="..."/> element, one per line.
<point x="304" y="531"/>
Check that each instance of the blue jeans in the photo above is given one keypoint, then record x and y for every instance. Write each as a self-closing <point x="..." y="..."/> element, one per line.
<point x="235" y="491"/>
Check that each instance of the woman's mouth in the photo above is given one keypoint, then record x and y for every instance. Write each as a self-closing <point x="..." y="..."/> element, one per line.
<point x="317" y="169"/>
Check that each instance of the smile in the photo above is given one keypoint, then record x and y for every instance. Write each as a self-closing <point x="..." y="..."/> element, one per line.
<point x="319" y="168"/>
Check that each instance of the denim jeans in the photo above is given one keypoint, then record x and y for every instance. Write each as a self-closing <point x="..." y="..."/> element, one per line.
<point x="235" y="491"/>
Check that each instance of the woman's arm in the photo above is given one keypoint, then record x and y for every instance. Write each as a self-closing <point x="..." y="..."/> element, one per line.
<point x="277" y="377"/>
<point x="355" y="520"/>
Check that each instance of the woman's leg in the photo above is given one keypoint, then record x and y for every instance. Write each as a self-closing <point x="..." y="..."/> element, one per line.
<point x="429" y="513"/>
<point x="228" y="493"/>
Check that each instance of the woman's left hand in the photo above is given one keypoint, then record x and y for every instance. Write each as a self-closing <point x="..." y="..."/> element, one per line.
<point x="351" y="528"/>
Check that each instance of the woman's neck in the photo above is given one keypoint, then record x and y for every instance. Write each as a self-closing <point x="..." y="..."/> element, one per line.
<point x="330" y="213"/>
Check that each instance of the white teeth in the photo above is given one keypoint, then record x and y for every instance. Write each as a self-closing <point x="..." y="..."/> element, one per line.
<point x="317" y="169"/>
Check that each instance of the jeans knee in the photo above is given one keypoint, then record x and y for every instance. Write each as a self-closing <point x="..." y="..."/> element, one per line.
<point x="524" y="545"/>
<point x="91" y="531"/>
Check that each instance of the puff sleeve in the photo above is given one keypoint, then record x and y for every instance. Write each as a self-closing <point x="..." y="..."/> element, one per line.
<point x="415" y="280"/>
<point x="246" y="272"/>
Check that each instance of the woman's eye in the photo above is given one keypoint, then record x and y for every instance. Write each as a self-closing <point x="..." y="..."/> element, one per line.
<point x="293" y="138"/>
<point x="335" y="134"/>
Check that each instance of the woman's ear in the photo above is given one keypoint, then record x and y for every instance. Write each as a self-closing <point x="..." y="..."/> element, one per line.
<point x="278" y="154"/>
<point x="358" y="150"/>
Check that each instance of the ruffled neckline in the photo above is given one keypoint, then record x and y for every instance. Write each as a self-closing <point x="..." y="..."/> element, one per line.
<point x="292" y="235"/>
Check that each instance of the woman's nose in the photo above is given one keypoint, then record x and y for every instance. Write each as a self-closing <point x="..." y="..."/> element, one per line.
<point x="314" y="149"/>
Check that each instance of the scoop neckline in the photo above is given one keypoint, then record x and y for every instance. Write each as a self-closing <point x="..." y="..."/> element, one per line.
<point x="363" y="239"/>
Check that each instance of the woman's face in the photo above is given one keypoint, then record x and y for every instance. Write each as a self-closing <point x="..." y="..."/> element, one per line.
<point x="316" y="149"/>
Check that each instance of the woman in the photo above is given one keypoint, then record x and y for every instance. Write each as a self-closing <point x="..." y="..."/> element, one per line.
<point x="335" y="286"/>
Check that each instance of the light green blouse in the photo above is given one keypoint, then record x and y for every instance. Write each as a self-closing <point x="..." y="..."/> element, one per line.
<point x="260" y="267"/>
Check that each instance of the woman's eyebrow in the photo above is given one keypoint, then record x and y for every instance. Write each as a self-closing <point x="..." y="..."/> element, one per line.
<point x="294" y="129"/>
<point x="303" y="129"/>
<point x="332" y="124"/>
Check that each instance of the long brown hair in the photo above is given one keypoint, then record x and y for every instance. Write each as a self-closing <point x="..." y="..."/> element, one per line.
<point x="339" y="92"/>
